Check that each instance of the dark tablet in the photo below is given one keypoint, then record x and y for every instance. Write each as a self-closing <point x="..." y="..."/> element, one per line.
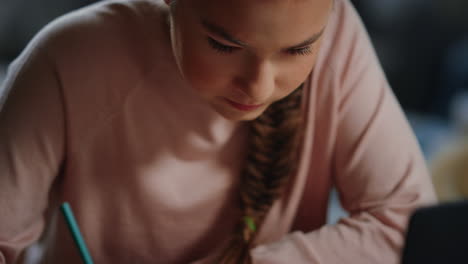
<point x="438" y="234"/>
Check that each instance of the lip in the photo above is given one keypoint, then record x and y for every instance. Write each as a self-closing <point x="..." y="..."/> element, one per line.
<point x="242" y="107"/>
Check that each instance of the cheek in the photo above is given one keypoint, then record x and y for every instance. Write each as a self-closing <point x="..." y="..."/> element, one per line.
<point x="203" y="69"/>
<point x="295" y="72"/>
<point x="292" y="77"/>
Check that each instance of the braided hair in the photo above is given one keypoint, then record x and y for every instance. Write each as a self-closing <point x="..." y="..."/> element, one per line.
<point x="273" y="143"/>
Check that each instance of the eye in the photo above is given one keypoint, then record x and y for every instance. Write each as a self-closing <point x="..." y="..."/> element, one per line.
<point x="301" y="51"/>
<point x="221" y="48"/>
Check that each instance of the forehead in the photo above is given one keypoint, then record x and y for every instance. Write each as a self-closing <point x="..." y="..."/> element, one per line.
<point x="252" y="20"/>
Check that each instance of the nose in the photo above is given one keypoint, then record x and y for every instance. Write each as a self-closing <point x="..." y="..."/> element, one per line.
<point x="257" y="82"/>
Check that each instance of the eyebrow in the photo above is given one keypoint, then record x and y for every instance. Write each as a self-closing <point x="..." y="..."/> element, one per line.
<point x="220" y="32"/>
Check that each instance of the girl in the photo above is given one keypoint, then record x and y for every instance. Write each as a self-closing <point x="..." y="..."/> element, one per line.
<point x="202" y="131"/>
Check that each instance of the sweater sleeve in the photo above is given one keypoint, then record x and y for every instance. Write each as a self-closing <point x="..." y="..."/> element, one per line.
<point x="31" y="147"/>
<point x="378" y="168"/>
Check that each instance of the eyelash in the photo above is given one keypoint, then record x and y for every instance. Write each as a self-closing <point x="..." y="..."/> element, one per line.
<point x="221" y="48"/>
<point x="301" y="51"/>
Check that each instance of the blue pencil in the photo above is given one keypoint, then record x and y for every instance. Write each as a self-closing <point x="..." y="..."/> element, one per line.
<point x="75" y="231"/>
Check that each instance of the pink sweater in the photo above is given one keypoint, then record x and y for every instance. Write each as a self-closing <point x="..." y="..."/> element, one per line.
<point x="97" y="114"/>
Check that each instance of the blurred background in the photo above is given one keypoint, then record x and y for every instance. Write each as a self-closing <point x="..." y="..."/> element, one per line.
<point x="423" y="48"/>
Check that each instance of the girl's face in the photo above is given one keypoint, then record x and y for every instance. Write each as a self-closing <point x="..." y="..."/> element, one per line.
<point x="243" y="55"/>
